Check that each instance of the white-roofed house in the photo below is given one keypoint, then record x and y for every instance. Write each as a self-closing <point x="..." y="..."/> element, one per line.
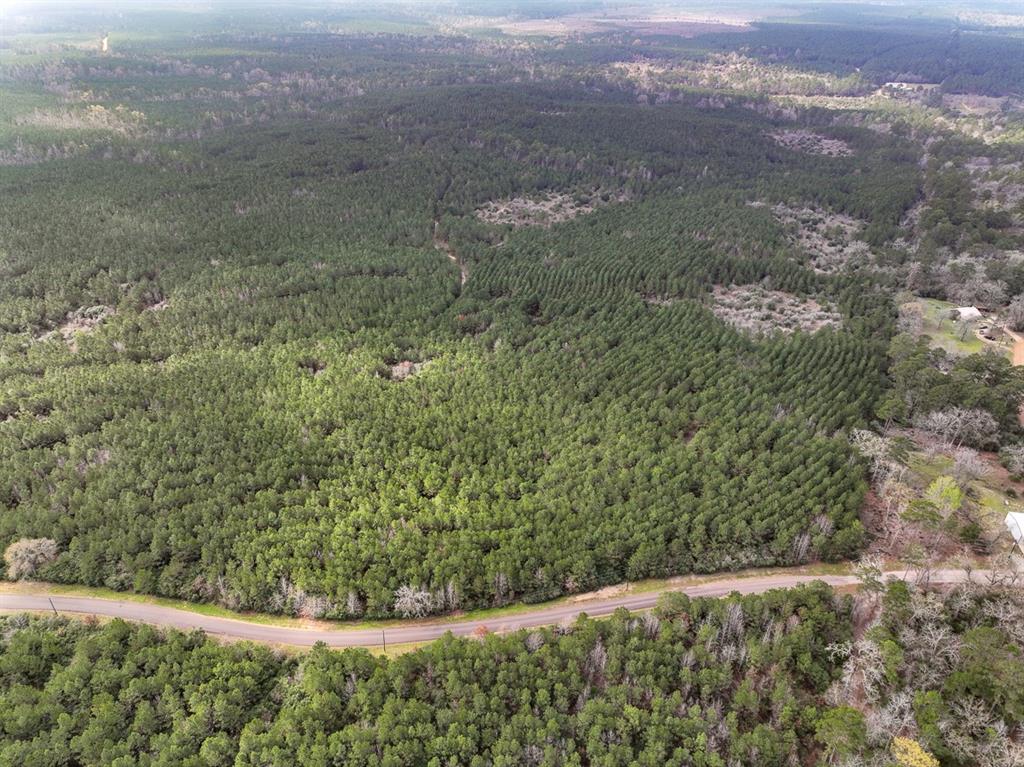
<point x="967" y="313"/>
<point x="1015" y="524"/>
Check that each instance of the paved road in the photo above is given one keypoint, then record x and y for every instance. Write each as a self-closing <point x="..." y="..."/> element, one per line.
<point x="420" y="631"/>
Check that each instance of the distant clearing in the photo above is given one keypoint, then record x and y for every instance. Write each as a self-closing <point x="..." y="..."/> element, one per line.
<point x="972" y="104"/>
<point x="829" y="238"/>
<point x="728" y="71"/>
<point x="544" y="211"/>
<point x="674" y="24"/>
<point x="760" y="311"/>
<point x="949" y="334"/>
<point x="810" y="142"/>
<point x="93" y="117"/>
<point x="406" y="369"/>
<point x="999" y="186"/>
<point x="81" y="321"/>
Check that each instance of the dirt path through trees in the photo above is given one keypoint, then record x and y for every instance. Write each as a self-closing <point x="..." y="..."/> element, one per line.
<point x="1017" y="356"/>
<point x="442" y="244"/>
<point x="1017" y="359"/>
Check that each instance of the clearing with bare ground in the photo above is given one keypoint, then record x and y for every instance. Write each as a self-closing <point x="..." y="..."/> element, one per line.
<point x="655" y="300"/>
<point x="761" y="311"/>
<point x="972" y="103"/>
<point x="554" y="208"/>
<point x="677" y="27"/>
<point x="405" y="369"/>
<point x="999" y="186"/>
<point x="726" y="71"/>
<point x="81" y="321"/>
<point x="810" y="142"/>
<point x="830" y="239"/>
<point x="636" y="21"/>
<point x="92" y="117"/>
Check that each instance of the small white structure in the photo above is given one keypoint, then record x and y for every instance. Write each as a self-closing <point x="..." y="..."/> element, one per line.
<point x="968" y="313"/>
<point x="1015" y="524"/>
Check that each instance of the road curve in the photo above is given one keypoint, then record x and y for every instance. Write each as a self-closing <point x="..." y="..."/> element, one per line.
<point x="422" y="632"/>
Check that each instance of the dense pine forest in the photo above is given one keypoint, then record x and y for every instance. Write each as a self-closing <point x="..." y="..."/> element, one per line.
<point x="351" y="312"/>
<point x="345" y="324"/>
<point x="704" y="682"/>
<point x="263" y="347"/>
<point x="765" y="680"/>
<point x="556" y="407"/>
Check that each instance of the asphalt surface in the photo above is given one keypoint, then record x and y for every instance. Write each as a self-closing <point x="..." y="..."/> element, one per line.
<point x="422" y="631"/>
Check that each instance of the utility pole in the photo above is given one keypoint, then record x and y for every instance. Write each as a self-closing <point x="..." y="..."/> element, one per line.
<point x="385" y="640"/>
<point x="51" y="605"/>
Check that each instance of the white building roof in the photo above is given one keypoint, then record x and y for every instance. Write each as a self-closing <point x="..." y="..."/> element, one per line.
<point x="968" y="312"/>
<point x="1015" y="524"/>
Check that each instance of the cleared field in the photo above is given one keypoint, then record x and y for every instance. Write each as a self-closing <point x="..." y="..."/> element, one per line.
<point x="950" y="335"/>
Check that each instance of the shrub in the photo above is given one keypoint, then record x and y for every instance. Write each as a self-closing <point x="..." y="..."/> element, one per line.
<point x="25" y="557"/>
<point x="909" y="753"/>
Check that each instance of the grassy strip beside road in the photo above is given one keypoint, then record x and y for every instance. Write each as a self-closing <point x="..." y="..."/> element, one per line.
<point x="485" y="614"/>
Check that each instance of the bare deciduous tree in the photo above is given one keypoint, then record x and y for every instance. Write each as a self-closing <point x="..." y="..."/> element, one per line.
<point x="896" y="717"/>
<point x="501" y="588"/>
<point x="1012" y="457"/>
<point x="801" y="547"/>
<point x="1014" y="313"/>
<point x="910" y="320"/>
<point x="869" y="572"/>
<point x="447" y="597"/>
<point x="25" y="557"/>
<point x="733" y="622"/>
<point x="226" y="595"/>
<point x="1005" y="570"/>
<point x="968" y="465"/>
<point x="292" y="598"/>
<point x="533" y="755"/>
<point x="876" y="449"/>
<point x="839" y="651"/>
<point x="974" y="734"/>
<point x="1008" y="614"/>
<point x="896" y="494"/>
<point x="824" y="524"/>
<point x="412" y="602"/>
<point x="593" y="669"/>
<point x="977" y="291"/>
<point x="651" y="625"/>
<point x="864" y="671"/>
<point x="932" y="652"/>
<point x="957" y="426"/>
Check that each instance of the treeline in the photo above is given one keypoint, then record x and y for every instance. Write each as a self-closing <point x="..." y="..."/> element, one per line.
<point x="935" y="680"/>
<point x="934" y="677"/>
<point x="961" y="61"/>
<point x="704" y="681"/>
<point x="927" y="380"/>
